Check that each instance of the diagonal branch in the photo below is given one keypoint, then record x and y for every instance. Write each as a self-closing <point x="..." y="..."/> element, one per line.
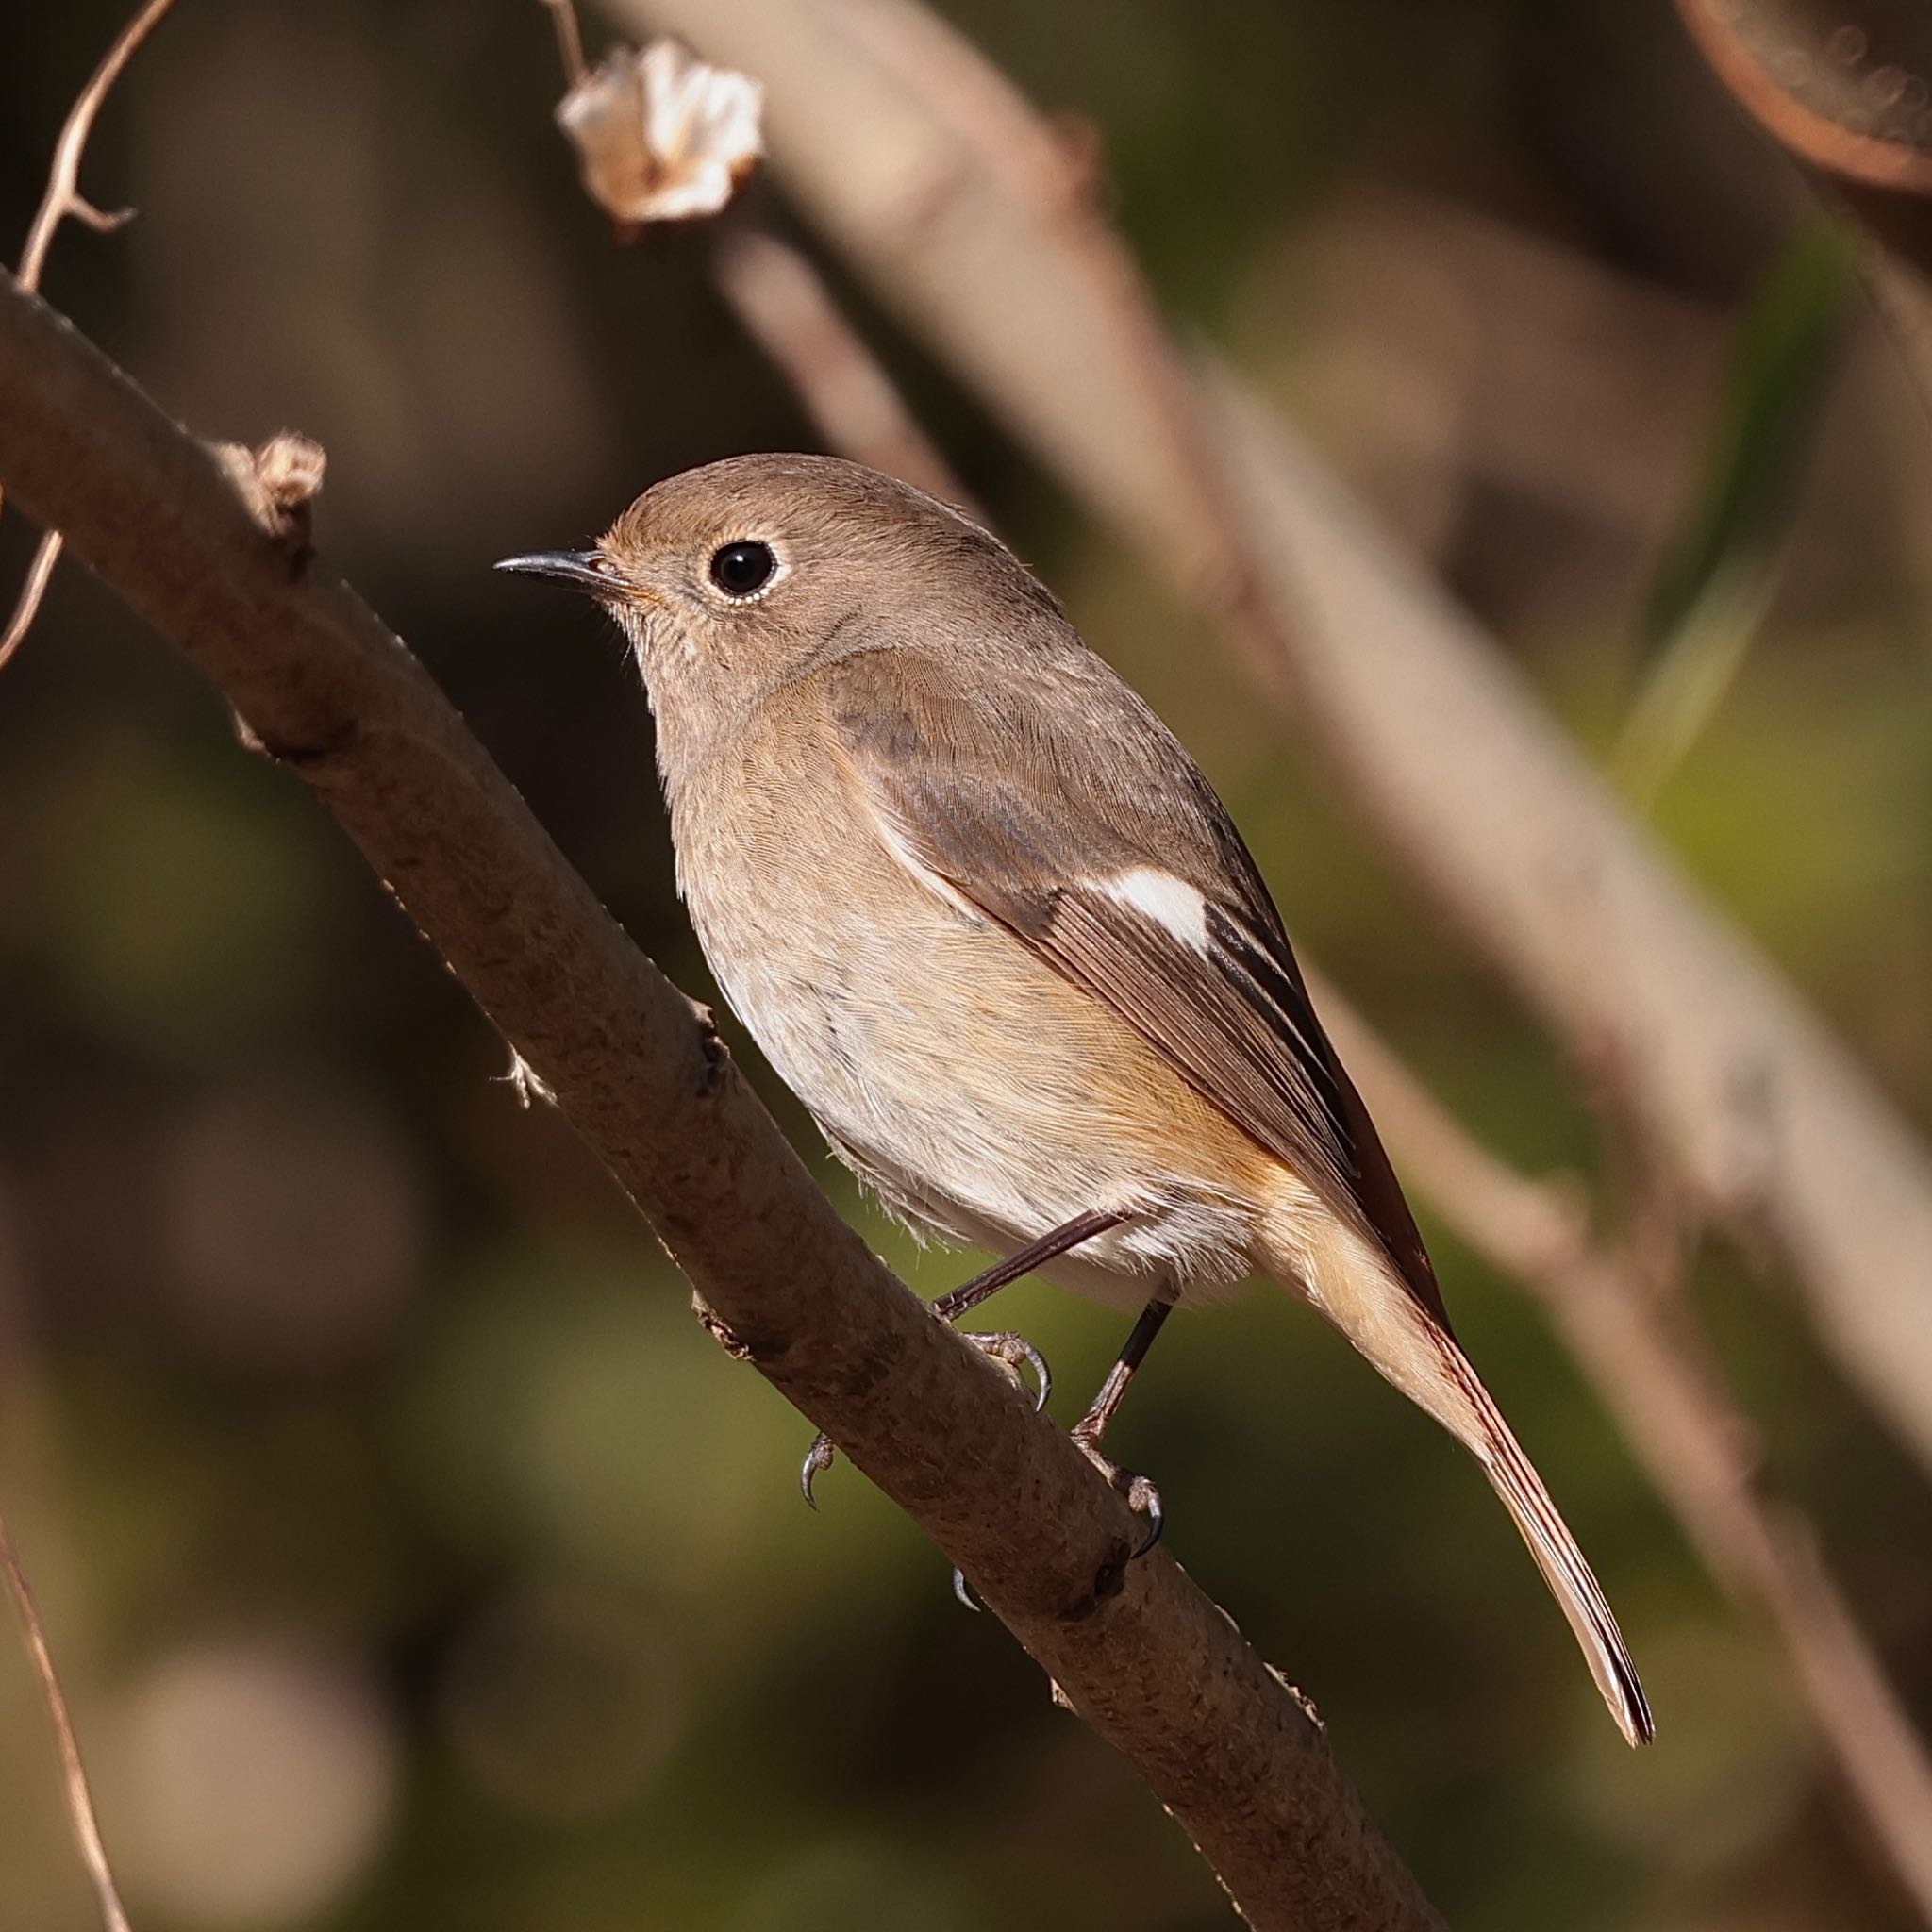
<point x="209" y="546"/>
<point x="786" y="307"/>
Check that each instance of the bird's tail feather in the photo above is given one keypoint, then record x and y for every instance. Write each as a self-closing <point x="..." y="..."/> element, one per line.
<point x="1569" y="1576"/>
<point x="1357" y="1287"/>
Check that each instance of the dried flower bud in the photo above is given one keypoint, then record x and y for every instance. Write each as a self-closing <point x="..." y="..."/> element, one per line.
<point x="662" y="135"/>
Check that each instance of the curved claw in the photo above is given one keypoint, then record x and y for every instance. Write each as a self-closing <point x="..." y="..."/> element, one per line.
<point x="1145" y="1500"/>
<point x="965" y="1592"/>
<point x="819" y="1456"/>
<point x="1015" y="1352"/>
<point x="1140" y="1495"/>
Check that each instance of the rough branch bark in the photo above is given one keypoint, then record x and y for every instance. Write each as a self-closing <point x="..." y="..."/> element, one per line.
<point x="926" y="169"/>
<point x="188" y="536"/>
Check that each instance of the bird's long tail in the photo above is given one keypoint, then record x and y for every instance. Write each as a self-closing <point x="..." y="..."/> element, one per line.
<point x="1357" y="1288"/>
<point x="1570" y="1578"/>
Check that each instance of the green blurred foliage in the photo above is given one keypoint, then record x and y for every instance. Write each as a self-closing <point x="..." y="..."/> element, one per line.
<point x="1720" y="576"/>
<point x="415" y="1560"/>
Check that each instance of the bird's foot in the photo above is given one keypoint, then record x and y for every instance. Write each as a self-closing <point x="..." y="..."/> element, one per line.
<point x="1014" y="1353"/>
<point x="1140" y="1495"/>
<point x="817" y="1458"/>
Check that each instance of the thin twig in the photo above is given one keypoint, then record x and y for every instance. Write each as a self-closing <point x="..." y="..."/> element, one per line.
<point x="569" y="39"/>
<point x="62" y="201"/>
<point x="783" y="305"/>
<point x="63" y="196"/>
<point x="81" y="1804"/>
<point x="46" y="555"/>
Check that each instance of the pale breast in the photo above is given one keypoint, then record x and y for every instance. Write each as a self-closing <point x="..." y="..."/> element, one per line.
<point x="976" y="1091"/>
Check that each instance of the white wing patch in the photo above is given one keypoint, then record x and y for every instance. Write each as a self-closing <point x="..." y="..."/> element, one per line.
<point x="1167" y="900"/>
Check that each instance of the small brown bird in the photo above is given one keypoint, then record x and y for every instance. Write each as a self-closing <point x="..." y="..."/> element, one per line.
<point x="988" y="920"/>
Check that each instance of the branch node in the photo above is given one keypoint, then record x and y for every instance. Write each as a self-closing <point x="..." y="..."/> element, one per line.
<point x="722" y="1332"/>
<point x="103" y="221"/>
<point x="1109" y="1581"/>
<point x="302" y="759"/>
<point x="280" y="482"/>
<point x="717" y="1056"/>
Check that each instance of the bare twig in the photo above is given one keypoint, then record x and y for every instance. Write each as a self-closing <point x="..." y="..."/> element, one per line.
<point x="1678" y="1417"/>
<point x="39" y="573"/>
<point x="62" y="200"/>
<point x="570" y="41"/>
<point x="1143" y="1656"/>
<point x="81" y="1804"/>
<point x="64" y="197"/>
<point x="783" y="302"/>
<point x="934" y="177"/>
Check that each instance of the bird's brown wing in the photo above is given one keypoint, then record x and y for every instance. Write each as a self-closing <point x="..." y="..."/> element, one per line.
<point x="1034" y="808"/>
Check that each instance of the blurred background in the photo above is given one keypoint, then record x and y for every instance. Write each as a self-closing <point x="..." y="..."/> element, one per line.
<point x="412" y="1556"/>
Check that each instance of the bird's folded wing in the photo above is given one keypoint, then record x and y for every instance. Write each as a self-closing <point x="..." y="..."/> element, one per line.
<point x="1106" y="853"/>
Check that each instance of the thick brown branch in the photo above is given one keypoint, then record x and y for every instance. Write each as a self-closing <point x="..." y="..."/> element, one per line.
<point x="1139" y="1651"/>
<point x="956" y="201"/>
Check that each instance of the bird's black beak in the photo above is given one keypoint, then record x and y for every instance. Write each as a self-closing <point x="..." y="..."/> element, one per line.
<point x="582" y="570"/>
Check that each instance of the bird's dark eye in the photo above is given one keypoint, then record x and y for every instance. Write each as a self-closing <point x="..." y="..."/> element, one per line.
<point x="742" y="570"/>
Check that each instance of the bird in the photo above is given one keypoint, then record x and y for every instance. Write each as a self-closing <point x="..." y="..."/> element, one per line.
<point x="988" y="920"/>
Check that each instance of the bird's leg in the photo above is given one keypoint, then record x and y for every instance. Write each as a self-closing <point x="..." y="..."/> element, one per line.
<point x="1142" y="1496"/>
<point x="1011" y="1350"/>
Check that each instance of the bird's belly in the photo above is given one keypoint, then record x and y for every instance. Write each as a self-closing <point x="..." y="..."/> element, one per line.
<point x="983" y="1097"/>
